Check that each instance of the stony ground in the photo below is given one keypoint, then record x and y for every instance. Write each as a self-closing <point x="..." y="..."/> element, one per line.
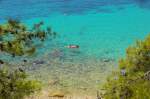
<point x="71" y="79"/>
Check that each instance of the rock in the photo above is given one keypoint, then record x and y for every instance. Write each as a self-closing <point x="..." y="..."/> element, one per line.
<point x="107" y="60"/>
<point x="83" y="88"/>
<point x="58" y="94"/>
<point x="1" y="62"/>
<point x="38" y="62"/>
<point x="24" y="60"/>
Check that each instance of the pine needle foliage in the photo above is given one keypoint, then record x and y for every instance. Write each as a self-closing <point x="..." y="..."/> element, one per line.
<point x="18" y="40"/>
<point x="15" y="85"/>
<point x="21" y="38"/>
<point x="132" y="80"/>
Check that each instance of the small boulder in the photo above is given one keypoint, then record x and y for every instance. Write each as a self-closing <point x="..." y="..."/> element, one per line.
<point x="58" y="94"/>
<point x="38" y="62"/>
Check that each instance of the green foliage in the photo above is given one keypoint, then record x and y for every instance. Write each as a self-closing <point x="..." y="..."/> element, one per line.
<point x="21" y="39"/>
<point x="17" y="39"/>
<point x="15" y="85"/>
<point x="130" y="81"/>
<point x="138" y="57"/>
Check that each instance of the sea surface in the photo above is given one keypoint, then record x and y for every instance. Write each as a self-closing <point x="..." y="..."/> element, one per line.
<point x="102" y="28"/>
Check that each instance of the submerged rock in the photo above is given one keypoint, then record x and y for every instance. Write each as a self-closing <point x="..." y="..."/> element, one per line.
<point x="24" y="60"/>
<point x="38" y="62"/>
<point x="1" y="62"/>
<point x="107" y="60"/>
<point x="58" y="94"/>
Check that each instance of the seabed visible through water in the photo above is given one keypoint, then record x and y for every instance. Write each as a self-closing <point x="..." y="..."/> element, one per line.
<point x="102" y="30"/>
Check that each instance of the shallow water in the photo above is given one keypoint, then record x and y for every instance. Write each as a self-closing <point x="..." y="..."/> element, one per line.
<point x="102" y="28"/>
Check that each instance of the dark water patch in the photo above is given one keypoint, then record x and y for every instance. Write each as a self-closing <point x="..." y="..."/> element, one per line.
<point x="42" y="8"/>
<point x="143" y="3"/>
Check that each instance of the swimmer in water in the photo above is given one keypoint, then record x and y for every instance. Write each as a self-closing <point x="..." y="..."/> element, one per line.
<point x="72" y="46"/>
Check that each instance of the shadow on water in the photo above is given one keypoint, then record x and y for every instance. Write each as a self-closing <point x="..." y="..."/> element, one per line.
<point x="47" y="7"/>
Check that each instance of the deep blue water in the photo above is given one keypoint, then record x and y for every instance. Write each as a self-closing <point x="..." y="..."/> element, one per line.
<point x="35" y="8"/>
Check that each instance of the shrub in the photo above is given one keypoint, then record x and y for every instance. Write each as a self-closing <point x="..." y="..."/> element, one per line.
<point x="15" y="85"/>
<point x="17" y="39"/>
<point x="129" y="82"/>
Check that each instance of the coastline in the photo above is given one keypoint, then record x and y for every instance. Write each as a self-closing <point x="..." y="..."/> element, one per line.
<point x="72" y="79"/>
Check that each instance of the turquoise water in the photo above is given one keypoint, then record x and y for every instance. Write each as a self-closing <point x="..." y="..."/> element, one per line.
<point x="102" y="34"/>
<point x="102" y="28"/>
